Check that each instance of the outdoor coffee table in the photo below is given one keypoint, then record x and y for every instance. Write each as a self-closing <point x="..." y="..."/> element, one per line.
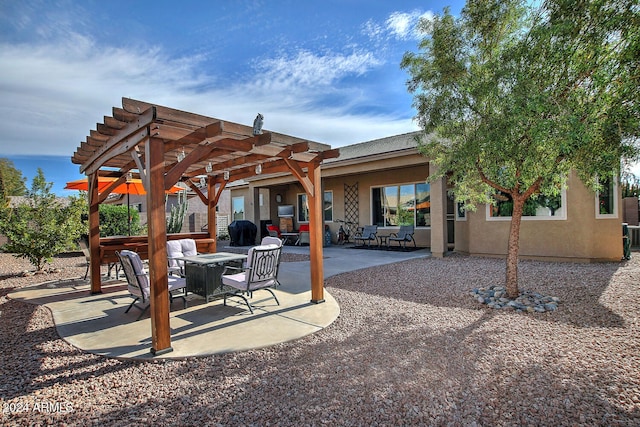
<point x="204" y="273"/>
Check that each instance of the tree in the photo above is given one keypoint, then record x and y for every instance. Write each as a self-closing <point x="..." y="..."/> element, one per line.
<point x="12" y="183"/>
<point x="515" y="97"/>
<point x="42" y="227"/>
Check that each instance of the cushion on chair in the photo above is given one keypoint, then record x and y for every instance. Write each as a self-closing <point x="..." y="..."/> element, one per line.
<point x="270" y="240"/>
<point x="177" y="283"/>
<point x="174" y="250"/>
<point x="189" y="247"/>
<point x="139" y="272"/>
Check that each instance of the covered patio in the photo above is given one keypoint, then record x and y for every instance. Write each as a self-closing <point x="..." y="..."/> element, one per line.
<point x="163" y="146"/>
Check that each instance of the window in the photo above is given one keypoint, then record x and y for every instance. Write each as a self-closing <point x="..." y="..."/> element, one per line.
<point x="461" y="212"/>
<point x="407" y="204"/>
<point x="538" y="208"/>
<point x="237" y="205"/>
<point x="606" y="200"/>
<point x="328" y="206"/>
<point x="303" y="207"/>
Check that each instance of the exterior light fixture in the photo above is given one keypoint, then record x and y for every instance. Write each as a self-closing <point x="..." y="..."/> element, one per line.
<point x="226" y="175"/>
<point x="208" y="168"/>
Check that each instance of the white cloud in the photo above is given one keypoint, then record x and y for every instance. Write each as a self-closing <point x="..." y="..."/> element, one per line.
<point x="52" y="95"/>
<point x="399" y="25"/>
<point x="308" y="70"/>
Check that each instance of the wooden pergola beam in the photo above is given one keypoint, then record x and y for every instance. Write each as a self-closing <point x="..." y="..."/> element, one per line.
<point x="120" y="138"/>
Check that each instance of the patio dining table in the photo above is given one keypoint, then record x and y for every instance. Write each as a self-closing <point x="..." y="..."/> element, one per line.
<point x="204" y="272"/>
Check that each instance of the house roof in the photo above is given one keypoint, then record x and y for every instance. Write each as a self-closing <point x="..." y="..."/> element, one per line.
<point x="395" y="143"/>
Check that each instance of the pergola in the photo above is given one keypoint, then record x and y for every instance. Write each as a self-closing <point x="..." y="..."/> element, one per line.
<point x="164" y="146"/>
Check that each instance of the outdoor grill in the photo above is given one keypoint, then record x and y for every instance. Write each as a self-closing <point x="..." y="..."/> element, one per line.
<point x="242" y="233"/>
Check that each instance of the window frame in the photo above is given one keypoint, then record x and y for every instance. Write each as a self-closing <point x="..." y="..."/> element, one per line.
<point x="561" y="217"/>
<point x="398" y="185"/>
<point x="461" y="213"/>
<point x="614" y="192"/>
<point x="300" y="211"/>
<point x="233" y="214"/>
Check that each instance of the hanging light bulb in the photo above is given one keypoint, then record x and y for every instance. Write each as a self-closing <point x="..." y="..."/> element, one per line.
<point x="181" y="155"/>
<point x="259" y="169"/>
<point x="208" y="168"/>
<point x="226" y="175"/>
<point x="203" y="181"/>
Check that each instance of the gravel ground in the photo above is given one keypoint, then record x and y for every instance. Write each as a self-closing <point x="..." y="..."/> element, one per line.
<point x="411" y="347"/>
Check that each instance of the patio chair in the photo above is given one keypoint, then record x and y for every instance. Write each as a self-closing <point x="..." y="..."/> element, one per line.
<point x="261" y="272"/>
<point x="304" y="238"/>
<point x="404" y="235"/>
<point x="83" y="242"/>
<point x="367" y="235"/>
<point x="138" y="282"/>
<point x="178" y="249"/>
<point x="269" y="240"/>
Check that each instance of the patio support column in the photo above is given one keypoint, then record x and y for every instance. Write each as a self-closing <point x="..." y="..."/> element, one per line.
<point x="157" y="237"/>
<point x="94" y="234"/>
<point x="212" y="224"/>
<point x="316" y="231"/>
<point x="255" y="205"/>
<point x="439" y="245"/>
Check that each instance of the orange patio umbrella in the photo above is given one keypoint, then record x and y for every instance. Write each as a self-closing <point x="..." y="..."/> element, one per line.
<point x="131" y="186"/>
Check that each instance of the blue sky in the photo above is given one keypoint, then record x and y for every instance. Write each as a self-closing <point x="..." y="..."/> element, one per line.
<point x="327" y="71"/>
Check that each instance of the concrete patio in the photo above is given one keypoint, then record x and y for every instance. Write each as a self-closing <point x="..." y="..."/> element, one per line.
<point x="98" y="324"/>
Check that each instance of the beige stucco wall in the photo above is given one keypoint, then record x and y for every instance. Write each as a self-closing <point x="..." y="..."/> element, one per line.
<point x="579" y="237"/>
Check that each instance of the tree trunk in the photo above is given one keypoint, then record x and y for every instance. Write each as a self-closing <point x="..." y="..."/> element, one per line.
<point x="514" y="247"/>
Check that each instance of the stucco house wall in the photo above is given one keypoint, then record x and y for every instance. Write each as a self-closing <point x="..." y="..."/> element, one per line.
<point x="579" y="236"/>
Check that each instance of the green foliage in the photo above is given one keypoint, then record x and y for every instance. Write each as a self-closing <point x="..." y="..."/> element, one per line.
<point x="177" y="213"/>
<point x="12" y="183"/>
<point x="42" y="227"/>
<point x="513" y="98"/>
<point x="114" y="221"/>
<point x="518" y="97"/>
<point x="631" y="187"/>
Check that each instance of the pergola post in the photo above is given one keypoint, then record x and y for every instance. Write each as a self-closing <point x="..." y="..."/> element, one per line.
<point x="94" y="234"/>
<point x="212" y="224"/>
<point x="316" y="232"/>
<point x="157" y="238"/>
